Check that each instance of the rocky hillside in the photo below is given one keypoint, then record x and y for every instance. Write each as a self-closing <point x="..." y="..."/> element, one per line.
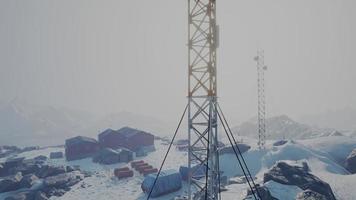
<point x="24" y="124"/>
<point x="282" y="127"/>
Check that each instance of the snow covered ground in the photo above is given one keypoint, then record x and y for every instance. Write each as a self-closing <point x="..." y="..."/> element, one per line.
<point x="322" y="155"/>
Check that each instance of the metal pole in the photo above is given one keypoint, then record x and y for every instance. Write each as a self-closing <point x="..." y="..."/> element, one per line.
<point x="261" y="113"/>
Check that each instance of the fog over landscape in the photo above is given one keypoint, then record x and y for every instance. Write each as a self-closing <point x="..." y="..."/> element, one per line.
<point x="91" y="92"/>
<point x="113" y="56"/>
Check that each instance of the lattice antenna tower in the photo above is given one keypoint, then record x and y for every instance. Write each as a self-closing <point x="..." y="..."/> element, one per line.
<point x="261" y="113"/>
<point x="202" y="98"/>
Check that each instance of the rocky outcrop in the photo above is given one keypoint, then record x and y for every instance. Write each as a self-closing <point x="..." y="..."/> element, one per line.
<point x="280" y="143"/>
<point x="31" y="148"/>
<point x="70" y="168"/>
<point x="263" y="193"/>
<point x="24" y="195"/>
<point x="1" y="169"/>
<point x="8" y="150"/>
<point x="41" y="158"/>
<point x="56" y="155"/>
<point x="28" y="181"/>
<point x="10" y="183"/>
<point x="28" y="195"/>
<point x="351" y="162"/>
<point x="294" y="175"/>
<point x="22" y="177"/>
<point x="9" y="164"/>
<point x="310" y="195"/>
<point x="47" y="170"/>
<point x="336" y="133"/>
<point x="41" y="196"/>
<point x="55" y="184"/>
<point x="26" y="167"/>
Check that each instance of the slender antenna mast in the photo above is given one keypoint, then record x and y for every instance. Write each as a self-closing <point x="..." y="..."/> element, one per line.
<point x="202" y="98"/>
<point x="261" y="68"/>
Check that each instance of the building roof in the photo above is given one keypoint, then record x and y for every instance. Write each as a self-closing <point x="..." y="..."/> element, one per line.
<point x="110" y="151"/>
<point x="129" y="132"/>
<point x="126" y="132"/>
<point x="80" y="139"/>
<point x="107" y="132"/>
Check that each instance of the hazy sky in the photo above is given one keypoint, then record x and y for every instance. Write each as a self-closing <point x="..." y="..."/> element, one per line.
<point x="107" y="56"/>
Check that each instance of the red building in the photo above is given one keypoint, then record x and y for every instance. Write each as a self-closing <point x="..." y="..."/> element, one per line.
<point x="111" y="139"/>
<point x="126" y="137"/>
<point x="80" y="147"/>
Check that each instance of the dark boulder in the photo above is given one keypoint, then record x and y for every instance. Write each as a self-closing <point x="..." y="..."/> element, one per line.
<point x="30" y="148"/>
<point x="70" y="168"/>
<point x="10" y="183"/>
<point x="280" y="143"/>
<point x="3" y="155"/>
<point x="27" y="167"/>
<point x="48" y="170"/>
<point x="11" y="148"/>
<point x="229" y="150"/>
<point x="351" y="162"/>
<point x="1" y="169"/>
<point x="28" y="181"/>
<point x="294" y="175"/>
<point x="41" y="158"/>
<point x="263" y="193"/>
<point x="12" y="163"/>
<point x="28" y="195"/>
<point x="182" y="142"/>
<point x="76" y="167"/>
<point x="41" y="196"/>
<point x="58" y="185"/>
<point x="56" y="192"/>
<point x="311" y="195"/>
<point x="64" y="180"/>
<point x="56" y="155"/>
<point x="8" y="150"/>
<point x="20" y="196"/>
<point x="25" y="195"/>
<point x="336" y="133"/>
<point x="11" y="166"/>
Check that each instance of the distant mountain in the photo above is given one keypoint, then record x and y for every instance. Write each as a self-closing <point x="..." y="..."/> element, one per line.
<point x="343" y="119"/>
<point x="282" y="127"/>
<point x="24" y="124"/>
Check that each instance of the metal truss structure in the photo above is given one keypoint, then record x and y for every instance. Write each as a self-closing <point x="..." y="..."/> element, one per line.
<point x="202" y="98"/>
<point x="261" y="68"/>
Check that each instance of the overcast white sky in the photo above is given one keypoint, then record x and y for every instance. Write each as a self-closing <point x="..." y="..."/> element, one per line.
<point x="112" y="55"/>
